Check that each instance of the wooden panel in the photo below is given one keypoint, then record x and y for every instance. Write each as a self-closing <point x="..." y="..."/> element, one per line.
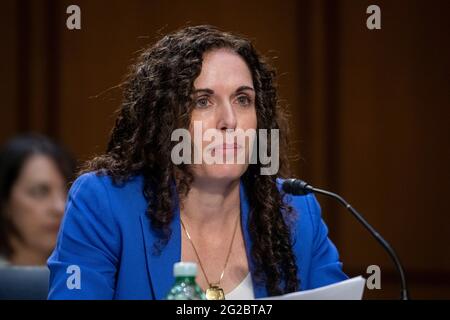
<point x="28" y="88"/>
<point x="393" y="134"/>
<point x="9" y="83"/>
<point x="374" y="127"/>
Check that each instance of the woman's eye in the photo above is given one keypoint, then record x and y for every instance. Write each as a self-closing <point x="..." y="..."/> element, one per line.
<point x="244" y="100"/>
<point x="202" y="102"/>
<point x="39" y="191"/>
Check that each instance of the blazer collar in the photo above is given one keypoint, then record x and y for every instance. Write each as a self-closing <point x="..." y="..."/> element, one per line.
<point x="160" y="266"/>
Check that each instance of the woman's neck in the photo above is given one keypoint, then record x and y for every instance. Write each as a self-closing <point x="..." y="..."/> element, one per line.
<point x="24" y="255"/>
<point x="211" y="204"/>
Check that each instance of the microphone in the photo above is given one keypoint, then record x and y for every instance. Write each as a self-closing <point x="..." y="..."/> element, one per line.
<point x="300" y="187"/>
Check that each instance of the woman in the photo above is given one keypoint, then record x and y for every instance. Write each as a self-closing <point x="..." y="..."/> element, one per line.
<point x="34" y="174"/>
<point x="134" y="212"/>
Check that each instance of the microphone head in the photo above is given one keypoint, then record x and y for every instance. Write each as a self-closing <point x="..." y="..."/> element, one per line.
<point x="295" y="187"/>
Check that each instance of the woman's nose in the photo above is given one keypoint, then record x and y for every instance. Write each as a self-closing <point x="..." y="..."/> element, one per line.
<point x="227" y="117"/>
<point x="58" y="205"/>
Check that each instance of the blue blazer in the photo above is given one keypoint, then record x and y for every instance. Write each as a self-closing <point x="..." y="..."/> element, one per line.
<point x="106" y="235"/>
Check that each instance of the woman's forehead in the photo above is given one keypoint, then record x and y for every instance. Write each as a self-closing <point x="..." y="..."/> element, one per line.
<point x="223" y="69"/>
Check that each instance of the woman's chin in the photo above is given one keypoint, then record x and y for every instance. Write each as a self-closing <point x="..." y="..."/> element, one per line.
<point x="225" y="171"/>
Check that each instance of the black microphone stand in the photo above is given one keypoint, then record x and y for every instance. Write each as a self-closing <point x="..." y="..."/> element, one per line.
<point x="295" y="186"/>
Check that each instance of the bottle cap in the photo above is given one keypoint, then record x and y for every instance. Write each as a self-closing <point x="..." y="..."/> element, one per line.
<point x="185" y="269"/>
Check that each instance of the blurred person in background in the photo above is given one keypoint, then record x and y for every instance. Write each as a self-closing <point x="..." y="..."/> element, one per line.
<point x="34" y="177"/>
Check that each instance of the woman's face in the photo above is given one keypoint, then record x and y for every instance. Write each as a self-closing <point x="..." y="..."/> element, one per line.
<point x="36" y="204"/>
<point x="224" y="102"/>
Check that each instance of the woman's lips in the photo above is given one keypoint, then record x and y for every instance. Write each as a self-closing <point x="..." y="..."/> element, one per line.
<point x="227" y="146"/>
<point x="231" y="146"/>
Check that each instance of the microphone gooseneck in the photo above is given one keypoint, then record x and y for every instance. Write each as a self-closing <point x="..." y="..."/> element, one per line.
<point x="300" y="187"/>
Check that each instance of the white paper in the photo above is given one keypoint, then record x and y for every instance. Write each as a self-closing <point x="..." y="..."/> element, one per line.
<point x="351" y="289"/>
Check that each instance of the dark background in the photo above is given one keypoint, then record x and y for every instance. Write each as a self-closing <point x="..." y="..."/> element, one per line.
<point x="369" y="108"/>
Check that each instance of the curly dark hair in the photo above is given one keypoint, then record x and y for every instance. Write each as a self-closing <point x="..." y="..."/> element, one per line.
<point x="157" y="100"/>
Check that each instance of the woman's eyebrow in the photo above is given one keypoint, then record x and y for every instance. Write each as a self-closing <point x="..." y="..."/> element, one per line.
<point x="211" y="92"/>
<point x="243" y="88"/>
<point x="206" y="90"/>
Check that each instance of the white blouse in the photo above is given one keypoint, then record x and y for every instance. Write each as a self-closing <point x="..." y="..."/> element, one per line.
<point x="244" y="291"/>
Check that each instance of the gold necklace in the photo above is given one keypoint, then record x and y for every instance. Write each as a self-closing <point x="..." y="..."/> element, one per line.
<point x="214" y="292"/>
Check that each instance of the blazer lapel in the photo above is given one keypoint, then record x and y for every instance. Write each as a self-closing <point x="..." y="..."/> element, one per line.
<point x="160" y="266"/>
<point x="259" y="289"/>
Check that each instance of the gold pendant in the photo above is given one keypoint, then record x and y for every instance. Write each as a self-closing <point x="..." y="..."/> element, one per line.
<point x="214" y="292"/>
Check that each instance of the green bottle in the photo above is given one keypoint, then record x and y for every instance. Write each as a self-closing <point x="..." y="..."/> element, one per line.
<point x="185" y="287"/>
